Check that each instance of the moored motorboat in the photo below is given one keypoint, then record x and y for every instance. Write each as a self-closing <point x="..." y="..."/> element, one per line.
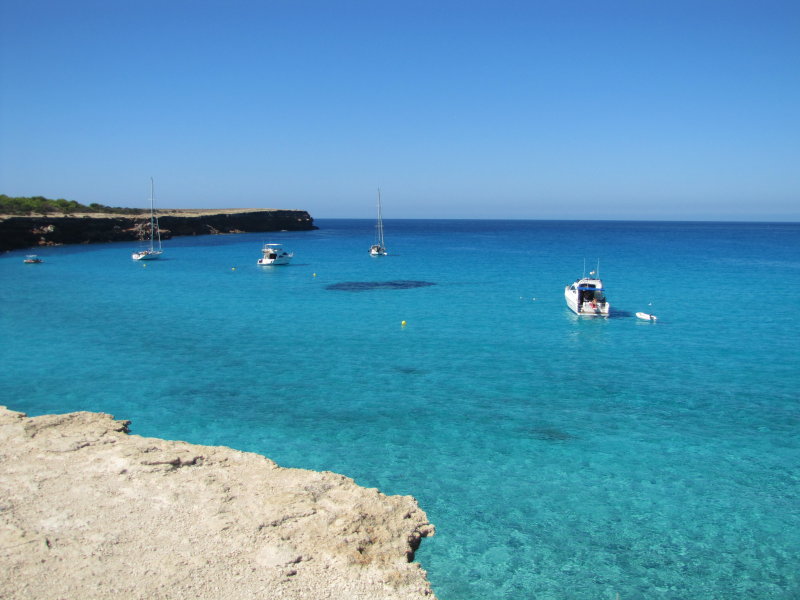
<point x="586" y="296"/>
<point x="32" y="259"/>
<point x="274" y="254"/>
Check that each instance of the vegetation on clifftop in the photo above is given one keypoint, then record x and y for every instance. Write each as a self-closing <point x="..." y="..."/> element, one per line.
<point x="38" y="205"/>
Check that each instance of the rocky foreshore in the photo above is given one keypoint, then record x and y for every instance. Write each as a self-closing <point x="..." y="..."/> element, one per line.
<point x="89" y="511"/>
<point x="28" y="232"/>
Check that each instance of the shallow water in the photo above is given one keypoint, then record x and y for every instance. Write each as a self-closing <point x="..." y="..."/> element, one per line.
<point x="559" y="457"/>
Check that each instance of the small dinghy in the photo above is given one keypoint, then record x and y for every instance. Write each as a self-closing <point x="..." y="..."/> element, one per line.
<point x="645" y="316"/>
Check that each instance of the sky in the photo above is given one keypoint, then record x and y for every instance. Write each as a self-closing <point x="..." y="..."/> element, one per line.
<point x="557" y="109"/>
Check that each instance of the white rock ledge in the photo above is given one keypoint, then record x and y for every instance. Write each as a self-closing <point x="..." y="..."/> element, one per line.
<point x="88" y="511"/>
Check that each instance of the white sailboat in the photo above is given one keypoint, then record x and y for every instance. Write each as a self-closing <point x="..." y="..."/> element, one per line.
<point x="379" y="247"/>
<point x="155" y="234"/>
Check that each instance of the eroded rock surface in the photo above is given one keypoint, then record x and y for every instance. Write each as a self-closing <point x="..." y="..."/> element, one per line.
<point x="29" y="232"/>
<point x="89" y="511"/>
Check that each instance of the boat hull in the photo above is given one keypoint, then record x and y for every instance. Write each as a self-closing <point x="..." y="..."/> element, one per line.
<point x="146" y="255"/>
<point x="273" y="261"/>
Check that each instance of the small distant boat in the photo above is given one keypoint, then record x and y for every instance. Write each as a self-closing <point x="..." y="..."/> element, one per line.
<point x="274" y="254"/>
<point x="32" y="259"/>
<point x="587" y="296"/>
<point x="155" y="250"/>
<point x="379" y="247"/>
<point x="646" y="316"/>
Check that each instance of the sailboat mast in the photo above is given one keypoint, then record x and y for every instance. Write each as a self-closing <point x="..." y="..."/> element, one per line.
<point x="380" y="220"/>
<point x="152" y="221"/>
<point x="155" y="231"/>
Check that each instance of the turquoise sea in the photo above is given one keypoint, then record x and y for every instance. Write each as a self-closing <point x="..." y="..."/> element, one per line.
<point x="559" y="457"/>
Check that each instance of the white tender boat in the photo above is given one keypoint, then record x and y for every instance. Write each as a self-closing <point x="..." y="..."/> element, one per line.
<point x="379" y="247"/>
<point x="646" y="316"/>
<point x="587" y="297"/>
<point x="274" y="254"/>
<point x="154" y="251"/>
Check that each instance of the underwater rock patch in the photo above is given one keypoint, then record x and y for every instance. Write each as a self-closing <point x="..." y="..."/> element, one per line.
<point x="410" y="370"/>
<point x="549" y="434"/>
<point x="363" y="286"/>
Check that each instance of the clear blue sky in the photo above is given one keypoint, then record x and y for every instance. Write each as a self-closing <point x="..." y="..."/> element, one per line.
<point x="466" y="109"/>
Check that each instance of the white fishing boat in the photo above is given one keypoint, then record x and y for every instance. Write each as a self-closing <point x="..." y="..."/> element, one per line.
<point x="379" y="247"/>
<point x="274" y="254"/>
<point x="154" y="251"/>
<point x="586" y="296"/>
<point x="646" y="316"/>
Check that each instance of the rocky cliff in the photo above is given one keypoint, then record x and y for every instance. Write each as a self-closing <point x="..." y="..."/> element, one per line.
<point x="89" y="511"/>
<point x="28" y="232"/>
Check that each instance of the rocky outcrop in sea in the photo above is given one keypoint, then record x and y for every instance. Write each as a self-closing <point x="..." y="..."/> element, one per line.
<point x="89" y="511"/>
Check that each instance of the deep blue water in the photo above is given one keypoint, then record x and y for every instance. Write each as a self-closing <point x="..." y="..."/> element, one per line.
<point x="559" y="457"/>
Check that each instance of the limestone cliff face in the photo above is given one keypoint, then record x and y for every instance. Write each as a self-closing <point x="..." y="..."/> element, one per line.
<point x="89" y="511"/>
<point x="28" y="232"/>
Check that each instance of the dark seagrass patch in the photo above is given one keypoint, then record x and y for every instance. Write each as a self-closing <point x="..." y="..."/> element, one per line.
<point x="363" y="286"/>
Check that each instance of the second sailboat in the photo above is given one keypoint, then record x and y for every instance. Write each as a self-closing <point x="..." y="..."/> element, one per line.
<point x="379" y="247"/>
<point x="155" y="234"/>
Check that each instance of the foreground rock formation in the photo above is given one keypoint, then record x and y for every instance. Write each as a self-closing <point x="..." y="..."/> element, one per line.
<point x="88" y="511"/>
<point x="28" y="232"/>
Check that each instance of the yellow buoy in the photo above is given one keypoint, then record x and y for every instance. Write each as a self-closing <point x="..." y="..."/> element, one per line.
<point x="402" y="323"/>
<point x="233" y="268"/>
<point x="315" y="274"/>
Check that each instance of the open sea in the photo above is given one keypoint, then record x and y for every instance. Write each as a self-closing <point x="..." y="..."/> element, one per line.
<point x="559" y="457"/>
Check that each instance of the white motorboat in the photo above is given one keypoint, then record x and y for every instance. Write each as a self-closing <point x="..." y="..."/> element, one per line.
<point x="379" y="247"/>
<point x="154" y="251"/>
<point x="274" y="254"/>
<point x="646" y="316"/>
<point x="32" y="259"/>
<point x="587" y="297"/>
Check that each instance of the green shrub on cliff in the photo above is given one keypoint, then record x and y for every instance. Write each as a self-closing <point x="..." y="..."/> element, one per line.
<point x="44" y="206"/>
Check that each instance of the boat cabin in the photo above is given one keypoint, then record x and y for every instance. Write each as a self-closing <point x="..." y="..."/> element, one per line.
<point x="589" y="290"/>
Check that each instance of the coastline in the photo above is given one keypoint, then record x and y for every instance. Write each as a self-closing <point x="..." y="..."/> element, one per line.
<point x="17" y="232"/>
<point x="91" y="511"/>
